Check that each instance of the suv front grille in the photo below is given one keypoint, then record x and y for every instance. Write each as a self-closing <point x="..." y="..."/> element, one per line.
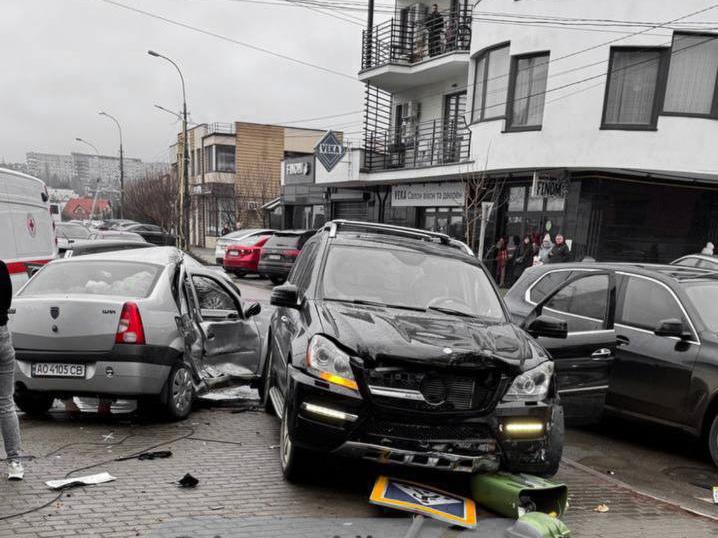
<point x="427" y="432"/>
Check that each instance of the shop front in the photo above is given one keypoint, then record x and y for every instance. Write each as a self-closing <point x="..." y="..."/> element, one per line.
<point x="303" y="203"/>
<point x="436" y="206"/>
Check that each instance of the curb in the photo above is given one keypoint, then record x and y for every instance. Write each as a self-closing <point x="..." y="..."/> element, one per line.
<point x="635" y="491"/>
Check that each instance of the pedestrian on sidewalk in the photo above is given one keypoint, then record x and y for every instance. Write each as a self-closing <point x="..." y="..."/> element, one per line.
<point x="708" y="249"/>
<point x="524" y="257"/>
<point x="560" y="252"/>
<point x="546" y="246"/>
<point x="9" y="425"/>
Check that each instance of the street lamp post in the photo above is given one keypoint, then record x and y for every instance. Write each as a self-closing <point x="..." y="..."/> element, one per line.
<point x="97" y="186"/>
<point x="122" y="166"/>
<point x="184" y="190"/>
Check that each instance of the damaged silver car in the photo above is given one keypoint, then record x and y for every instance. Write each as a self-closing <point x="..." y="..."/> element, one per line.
<point x="150" y="324"/>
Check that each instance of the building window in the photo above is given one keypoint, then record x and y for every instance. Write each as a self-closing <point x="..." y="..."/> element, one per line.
<point x="528" y="91"/>
<point x="632" y="88"/>
<point x="691" y="85"/>
<point x="225" y="158"/>
<point x="209" y="159"/>
<point x="491" y="82"/>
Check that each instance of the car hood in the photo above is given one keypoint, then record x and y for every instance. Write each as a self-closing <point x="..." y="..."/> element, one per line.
<point x="377" y="334"/>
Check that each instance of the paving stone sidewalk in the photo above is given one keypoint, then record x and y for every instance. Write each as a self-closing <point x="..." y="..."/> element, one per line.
<point x="234" y="455"/>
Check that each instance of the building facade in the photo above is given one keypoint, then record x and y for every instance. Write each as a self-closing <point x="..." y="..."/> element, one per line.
<point x="593" y="119"/>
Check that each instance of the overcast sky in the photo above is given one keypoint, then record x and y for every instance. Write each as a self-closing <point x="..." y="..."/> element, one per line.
<point x="62" y="61"/>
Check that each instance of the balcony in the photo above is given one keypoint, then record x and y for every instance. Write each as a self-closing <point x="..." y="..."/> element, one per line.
<point x="394" y="51"/>
<point x="430" y="143"/>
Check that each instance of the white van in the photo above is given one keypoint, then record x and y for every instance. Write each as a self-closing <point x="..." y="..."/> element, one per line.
<point x="27" y="231"/>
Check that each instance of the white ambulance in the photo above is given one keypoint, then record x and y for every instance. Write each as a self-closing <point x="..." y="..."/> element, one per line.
<point x="27" y="230"/>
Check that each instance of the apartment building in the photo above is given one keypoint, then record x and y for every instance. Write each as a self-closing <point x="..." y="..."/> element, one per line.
<point x="593" y="119"/>
<point x="235" y="174"/>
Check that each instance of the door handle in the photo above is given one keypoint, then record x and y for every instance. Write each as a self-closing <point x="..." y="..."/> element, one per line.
<point x="603" y="353"/>
<point x="622" y="340"/>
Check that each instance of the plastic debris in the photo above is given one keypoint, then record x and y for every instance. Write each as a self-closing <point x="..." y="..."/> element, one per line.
<point x="89" y="480"/>
<point x="715" y="494"/>
<point x="159" y="454"/>
<point x="602" y="508"/>
<point x="188" y="481"/>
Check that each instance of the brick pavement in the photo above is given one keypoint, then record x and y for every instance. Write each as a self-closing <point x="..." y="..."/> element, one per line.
<point x="240" y="483"/>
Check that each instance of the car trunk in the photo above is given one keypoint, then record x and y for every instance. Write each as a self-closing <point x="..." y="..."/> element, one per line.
<point x="83" y="323"/>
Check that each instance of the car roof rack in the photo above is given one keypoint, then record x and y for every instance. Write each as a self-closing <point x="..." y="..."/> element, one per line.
<point x="335" y="226"/>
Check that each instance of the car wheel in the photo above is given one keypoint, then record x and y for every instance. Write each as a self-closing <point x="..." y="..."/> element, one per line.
<point x="239" y="274"/>
<point x="33" y="403"/>
<point x="292" y="458"/>
<point x="554" y="450"/>
<point x="178" y="393"/>
<point x="713" y="440"/>
<point x="265" y="384"/>
<point x="277" y="280"/>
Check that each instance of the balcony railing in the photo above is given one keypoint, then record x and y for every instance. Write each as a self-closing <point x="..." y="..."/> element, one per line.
<point x="429" y="143"/>
<point x="221" y="128"/>
<point x="406" y="41"/>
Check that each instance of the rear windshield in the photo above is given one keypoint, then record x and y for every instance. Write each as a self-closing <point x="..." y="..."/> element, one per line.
<point x="240" y="233"/>
<point x="284" y="241"/>
<point x="123" y="279"/>
<point x="71" y="231"/>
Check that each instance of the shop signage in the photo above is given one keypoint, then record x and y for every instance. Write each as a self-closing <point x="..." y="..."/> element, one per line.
<point x="329" y="150"/>
<point x="549" y="186"/>
<point x="299" y="170"/>
<point x="447" y="194"/>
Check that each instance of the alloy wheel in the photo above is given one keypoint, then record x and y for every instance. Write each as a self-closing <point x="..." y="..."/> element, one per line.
<point x="181" y="390"/>
<point x="285" y="443"/>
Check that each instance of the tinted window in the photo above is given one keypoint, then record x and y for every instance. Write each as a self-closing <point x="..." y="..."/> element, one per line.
<point x="302" y="270"/>
<point x="410" y="279"/>
<point x="284" y="241"/>
<point x="688" y="262"/>
<point x="704" y="296"/>
<point x="211" y="295"/>
<point x="643" y="303"/>
<point x="73" y="231"/>
<point x="708" y="264"/>
<point x="586" y="297"/>
<point x="547" y="283"/>
<point x="123" y="279"/>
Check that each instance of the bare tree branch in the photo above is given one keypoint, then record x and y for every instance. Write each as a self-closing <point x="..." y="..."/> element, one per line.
<point x="152" y="200"/>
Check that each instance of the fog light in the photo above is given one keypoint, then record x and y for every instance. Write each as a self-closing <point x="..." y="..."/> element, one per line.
<point x="109" y="372"/>
<point x="328" y="412"/>
<point x="523" y="429"/>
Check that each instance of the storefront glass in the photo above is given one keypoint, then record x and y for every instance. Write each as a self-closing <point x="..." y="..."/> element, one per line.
<point x="447" y="220"/>
<point x="307" y="217"/>
<point x="533" y="215"/>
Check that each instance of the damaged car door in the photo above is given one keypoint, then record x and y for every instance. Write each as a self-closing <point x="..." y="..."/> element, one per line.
<point x="229" y="335"/>
<point x="584" y="348"/>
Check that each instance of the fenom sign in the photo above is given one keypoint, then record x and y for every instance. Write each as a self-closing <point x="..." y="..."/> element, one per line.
<point x="329" y="150"/>
<point x="448" y="194"/>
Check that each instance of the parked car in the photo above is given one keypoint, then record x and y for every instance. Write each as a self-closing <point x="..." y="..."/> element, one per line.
<point x="83" y="247"/>
<point x="149" y="323"/>
<point x="114" y="235"/>
<point x="69" y="232"/>
<point x="666" y="324"/>
<point x="151" y="233"/>
<point x="235" y="237"/>
<point x="110" y="224"/>
<point x="391" y="344"/>
<point x="280" y="252"/>
<point x="704" y="261"/>
<point x="27" y="235"/>
<point x="242" y="257"/>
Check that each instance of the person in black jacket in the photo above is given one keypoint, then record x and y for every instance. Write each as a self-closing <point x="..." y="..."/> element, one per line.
<point x="9" y="426"/>
<point x="435" y="25"/>
<point x="559" y="252"/>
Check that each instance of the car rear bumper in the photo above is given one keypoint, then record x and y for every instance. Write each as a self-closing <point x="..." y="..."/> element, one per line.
<point x="465" y="442"/>
<point x="127" y="370"/>
<point x="274" y="269"/>
<point x="249" y="266"/>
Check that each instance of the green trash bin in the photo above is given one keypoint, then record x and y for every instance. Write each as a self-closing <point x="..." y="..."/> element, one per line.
<point x="538" y="525"/>
<point x="513" y="495"/>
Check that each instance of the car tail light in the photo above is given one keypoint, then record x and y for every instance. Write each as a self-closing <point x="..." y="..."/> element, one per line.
<point x="292" y="253"/>
<point x="130" y="329"/>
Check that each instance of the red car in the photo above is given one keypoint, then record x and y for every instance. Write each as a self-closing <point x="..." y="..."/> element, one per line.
<point x="242" y="258"/>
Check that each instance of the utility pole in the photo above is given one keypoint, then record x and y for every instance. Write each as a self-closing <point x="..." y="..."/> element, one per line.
<point x="184" y="216"/>
<point x="122" y="167"/>
<point x="97" y="185"/>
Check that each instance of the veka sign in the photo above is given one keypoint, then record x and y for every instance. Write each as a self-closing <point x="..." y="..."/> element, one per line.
<point x="329" y="151"/>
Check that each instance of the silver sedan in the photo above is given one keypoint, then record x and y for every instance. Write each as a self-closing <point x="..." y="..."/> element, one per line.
<point x="149" y="324"/>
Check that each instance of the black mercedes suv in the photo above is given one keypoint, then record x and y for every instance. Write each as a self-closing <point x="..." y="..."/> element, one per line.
<point x="393" y="344"/>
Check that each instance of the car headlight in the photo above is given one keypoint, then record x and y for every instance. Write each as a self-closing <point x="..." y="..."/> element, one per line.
<point x="532" y="385"/>
<point x="326" y="361"/>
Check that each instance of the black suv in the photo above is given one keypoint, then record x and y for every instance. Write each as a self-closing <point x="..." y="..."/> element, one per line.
<point x="280" y="252"/>
<point x="393" y="345"/>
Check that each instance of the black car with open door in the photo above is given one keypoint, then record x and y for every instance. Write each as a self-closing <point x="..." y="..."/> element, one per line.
<point x="419" y="363"/>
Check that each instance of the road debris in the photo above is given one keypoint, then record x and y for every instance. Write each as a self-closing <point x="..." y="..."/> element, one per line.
<point x="89" y="480"/>
<point x="188" y="481"/>
<point x="159" y="454"/>
<point x="602" y="508"/>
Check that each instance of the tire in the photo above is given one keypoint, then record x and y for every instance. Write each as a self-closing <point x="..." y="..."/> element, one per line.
<point x="554" y="451"/>
<point x="277" y="280"/>
<point x="293" y="460"/>
<point x="713" y="440"/>
<point x="177" y="394"/>
<point x="33" y="403"/>
<point x="240" y="274"/>
<point x="265" y="385"/>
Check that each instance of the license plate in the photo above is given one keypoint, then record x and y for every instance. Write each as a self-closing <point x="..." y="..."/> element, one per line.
<point x="274" y="257"/>
<point x="57" y="369"/>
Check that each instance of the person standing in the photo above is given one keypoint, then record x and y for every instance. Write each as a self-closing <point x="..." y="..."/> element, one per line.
<point x="708" y="249"/>
<point x="502" y="257"/>
<point x="546" y="246"/>
<point x="9" y="425"/>
<point x="435" y="25"/>
<point x="559" y="252"/>
<point x="524" y="257"/>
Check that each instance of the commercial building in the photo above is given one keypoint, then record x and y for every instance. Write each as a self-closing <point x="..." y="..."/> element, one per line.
<point x="235" y="174"/>
<point x="594" y="119"/>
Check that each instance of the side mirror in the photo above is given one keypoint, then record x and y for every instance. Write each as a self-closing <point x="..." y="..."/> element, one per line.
<point x="285" y="295"/>
<point x="548" y="327"/>
<point x="252" y="310"/>
<point x="670" y="327"/>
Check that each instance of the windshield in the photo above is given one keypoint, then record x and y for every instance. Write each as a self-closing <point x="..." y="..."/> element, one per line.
<point x="124" y="279"/>
<point x="409" y="279"/>
<point x="73" y="231"/>
<point x="240" y="233"/>
<point x="704" y="296"/>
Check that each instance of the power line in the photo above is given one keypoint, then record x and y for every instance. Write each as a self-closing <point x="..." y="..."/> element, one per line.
<point x="229" y="39"/>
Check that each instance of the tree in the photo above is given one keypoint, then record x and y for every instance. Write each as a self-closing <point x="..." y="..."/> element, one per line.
<point x="152" y="200"/>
